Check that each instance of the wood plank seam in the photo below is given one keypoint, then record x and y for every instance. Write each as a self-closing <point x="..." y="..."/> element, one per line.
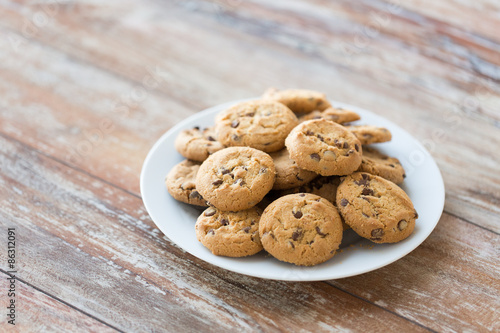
<point x="374" y="304"/>
<point x="106" y="70"/>
<point x="470" y="222"/>
<point x="62" y="301"/>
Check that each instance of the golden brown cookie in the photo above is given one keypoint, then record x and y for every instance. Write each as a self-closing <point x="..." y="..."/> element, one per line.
<point x="196" y="144"/>
<point x="230" y="234"/>
<point x="302" y="229"/>
<point x="375" y="208"/>
<point x="324" y="147"/>
<point x="181" y="183"/>
<point x="298" y="100"/>
<point x="368" y="134"/>
<point x="236" y="178"/>
<point x="337" y="115"/>
<point x="288" y="173"/>
<point x="260" y="124"/>
<point x="379" y="164"/>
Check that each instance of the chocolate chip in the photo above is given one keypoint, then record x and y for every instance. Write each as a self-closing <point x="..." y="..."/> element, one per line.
<point x="416" y="214"/>
<point x="235" y="137"/>
<point x="210" y="212"/>
<point x="235" y="123"/>
<point x="293" y="246"/>
<point x="321" y="137"/>
<point x="344" y="202"/>
<point x="365" y="215"/>
<point x="365" y="176"/>
<point x="318" y="230"/>
<point x="404" y="175"/>
<point x="263" y="170"/>
<point x="253" y="222"/>
<point x="298" y="214"/>
<point x="302" y="195"/>
<point x="365" y="198"/>
<point x="224" y="171"/>
<point x="402" y="225"/>
<point x="315" y="157"/>
<point x="195" y="195"/>
<point x="367" y="191"/>
<point x="309" y="132"/>
<point x="224" y="222"/>
<point x="246" y="229"/>
<point x="251" y="114"/>
<point x="218" y="182"/>
<point x="346" y="145"/>
<point x="356" y="146"/>
<point x="210" y="138"/>
<point x="298" y="178"/>
<point x="377" y="233"/>
<point x="296" y="234"/>
<point x="337" y="143"/>
<point x="392" y="165"/>
<point x="211" y="231"/>
<point x="197" y="128"/>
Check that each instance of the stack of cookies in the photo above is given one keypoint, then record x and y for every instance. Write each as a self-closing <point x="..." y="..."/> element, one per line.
<point x="287" y="174"/>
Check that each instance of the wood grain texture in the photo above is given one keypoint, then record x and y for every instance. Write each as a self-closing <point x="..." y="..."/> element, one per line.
<point x="87" y="88"/>
<point x="37" y="312"/>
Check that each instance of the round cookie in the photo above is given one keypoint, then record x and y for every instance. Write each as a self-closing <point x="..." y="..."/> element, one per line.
<point x="236" y="178"/>
<point x="288" y="173"/>
<point x="368" y="134"/>
<point x="376" y="208"/>
<point x="337" y="115"/>
<point x="230" y="234"/>
<point x="379" y="164"/>
<point x="263" y="125"/>
<point x="298" y="100"/>
<point x="197" y="145"/>
<point x="302" y="229"/>
<point x="181" y="183"/>
<point x="324" y="147"/>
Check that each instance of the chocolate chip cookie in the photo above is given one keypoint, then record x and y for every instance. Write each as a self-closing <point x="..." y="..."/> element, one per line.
<point x="181" y="183"/>
<point x="196" y="144"/>
<point x="379" y="164"/>
<point x="368" y="134"/>
<point x="263" y="125"/>
<point x="302" y="229"/>
<point x="298" y="100"/>
<point x="337" y="115"/>
<point x="236" y="178"/>
<point x="324" y="147"/>
<point x="288" y="173"/>
<point x="230" y="234"/>
<point x="375" y="208"/>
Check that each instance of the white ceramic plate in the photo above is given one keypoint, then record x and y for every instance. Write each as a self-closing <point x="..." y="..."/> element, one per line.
<point x="176" y="220"/>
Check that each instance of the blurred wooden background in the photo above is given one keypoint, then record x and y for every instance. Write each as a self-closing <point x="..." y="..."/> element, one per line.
<point x="86" y="88"/>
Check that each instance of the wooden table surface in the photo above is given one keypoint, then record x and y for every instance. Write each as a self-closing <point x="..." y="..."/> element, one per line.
<point x="87" y="87"/>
